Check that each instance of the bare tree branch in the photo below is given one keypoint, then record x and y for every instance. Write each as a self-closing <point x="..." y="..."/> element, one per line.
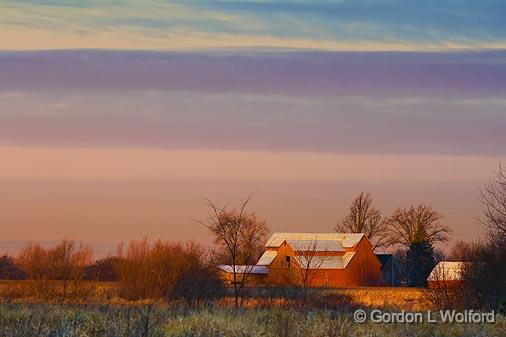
<point x="239" y="236"/>
<point x="416" y="225"/>
<point x="493" y="199"/>
<point x="364" y="218"/>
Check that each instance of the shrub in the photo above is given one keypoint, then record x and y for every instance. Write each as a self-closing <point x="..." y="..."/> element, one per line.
<point x="485" y="276"/>
<point x="64" y="262"/>
<point x="197" y="283"/>
<point x="102" y="270"/>
<point x="9" y="271"/>
<point x="165" y="270"/>
<point x="502" y="308"/>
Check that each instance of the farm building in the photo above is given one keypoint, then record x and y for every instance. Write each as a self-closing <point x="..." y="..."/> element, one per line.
<point x="315" y="259"/>
<point x="391" y="270"/>
<point x="446" y="274"/>
<point x="254" y="276"/>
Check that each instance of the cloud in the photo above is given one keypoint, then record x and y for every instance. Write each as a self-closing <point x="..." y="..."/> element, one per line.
<point x="273" y="72"/>
<point x="255" y="122"/>
<point x="377" y="25"/>
<point x="396" y="103"/>
<point x="380" y="103"/>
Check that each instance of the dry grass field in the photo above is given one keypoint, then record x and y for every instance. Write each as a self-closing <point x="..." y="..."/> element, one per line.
<point x="84" y="292"/>
<point x="412" y="299"/>
<point x="91" y="292"/>
<point x="98" y="310"/>
<point x="41" y="320"/>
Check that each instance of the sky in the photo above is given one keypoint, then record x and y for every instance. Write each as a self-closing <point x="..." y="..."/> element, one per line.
<point x="336" y="25"/>
<point x="117" y="118"/>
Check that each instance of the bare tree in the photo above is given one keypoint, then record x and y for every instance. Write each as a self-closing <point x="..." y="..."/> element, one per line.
<point x="461" y="251"/>
<point x="149" y="270"/>
<point x="64" y="262"/>
<point x="364" y="218"/>
<point x="67" y="261"/>
<point x="417" y="224"/>
<point x="485" y="277"/>
<point x="309" y="268"/>
<point x="417" y="229"/>
<point x="33" y="261"/>
<point x="493" y="198"/>
<point x="239" y="236"/>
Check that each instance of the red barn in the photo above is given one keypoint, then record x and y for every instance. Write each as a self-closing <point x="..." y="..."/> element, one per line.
<point x="322" y="259"/>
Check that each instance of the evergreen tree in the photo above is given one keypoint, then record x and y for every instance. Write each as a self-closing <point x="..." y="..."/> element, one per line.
<point x="420" y="261"/>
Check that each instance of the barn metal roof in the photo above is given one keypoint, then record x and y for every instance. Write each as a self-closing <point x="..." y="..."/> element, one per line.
<point x="243" y="269"/>
<point x="446" y="271"/>
<point x="346" y="240"/>
<point x="324" y="262"/>
<point x="267" y="257"/>
<point x="316" y="245"/>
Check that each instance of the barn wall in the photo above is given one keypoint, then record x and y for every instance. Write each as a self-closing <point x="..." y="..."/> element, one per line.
<point x="364" y="268"/>
<point x="281" y="271"/>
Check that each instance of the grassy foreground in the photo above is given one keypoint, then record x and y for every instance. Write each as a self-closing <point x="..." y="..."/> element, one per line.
<point x="25" y="320"/>
<point x="93" y="292"/>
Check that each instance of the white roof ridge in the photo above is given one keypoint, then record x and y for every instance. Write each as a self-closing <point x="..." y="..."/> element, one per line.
<point x="240" y="269"/>
<point x="347" y="239"/>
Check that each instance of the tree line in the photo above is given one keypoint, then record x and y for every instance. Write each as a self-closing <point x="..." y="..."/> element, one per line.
<point x="143" y="270"/>
<point x="412" y="231"/>
<point x="172" y="270"/>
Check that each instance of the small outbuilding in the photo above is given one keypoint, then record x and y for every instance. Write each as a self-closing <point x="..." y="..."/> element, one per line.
<point x="391" y="270"/>
<point x="253" y="275"/>
<point x="446" y="274"/>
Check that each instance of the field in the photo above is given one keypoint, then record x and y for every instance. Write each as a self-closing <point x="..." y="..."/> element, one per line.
<point x="108" y="293"/>
<point x="127" y="321"/>
<point x="91" y="292"/>
<point x="384" y="297"/>
<point x="104" y="313"/>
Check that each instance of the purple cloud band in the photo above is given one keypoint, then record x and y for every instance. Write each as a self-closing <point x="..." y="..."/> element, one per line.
<point x="317" y="73"/>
